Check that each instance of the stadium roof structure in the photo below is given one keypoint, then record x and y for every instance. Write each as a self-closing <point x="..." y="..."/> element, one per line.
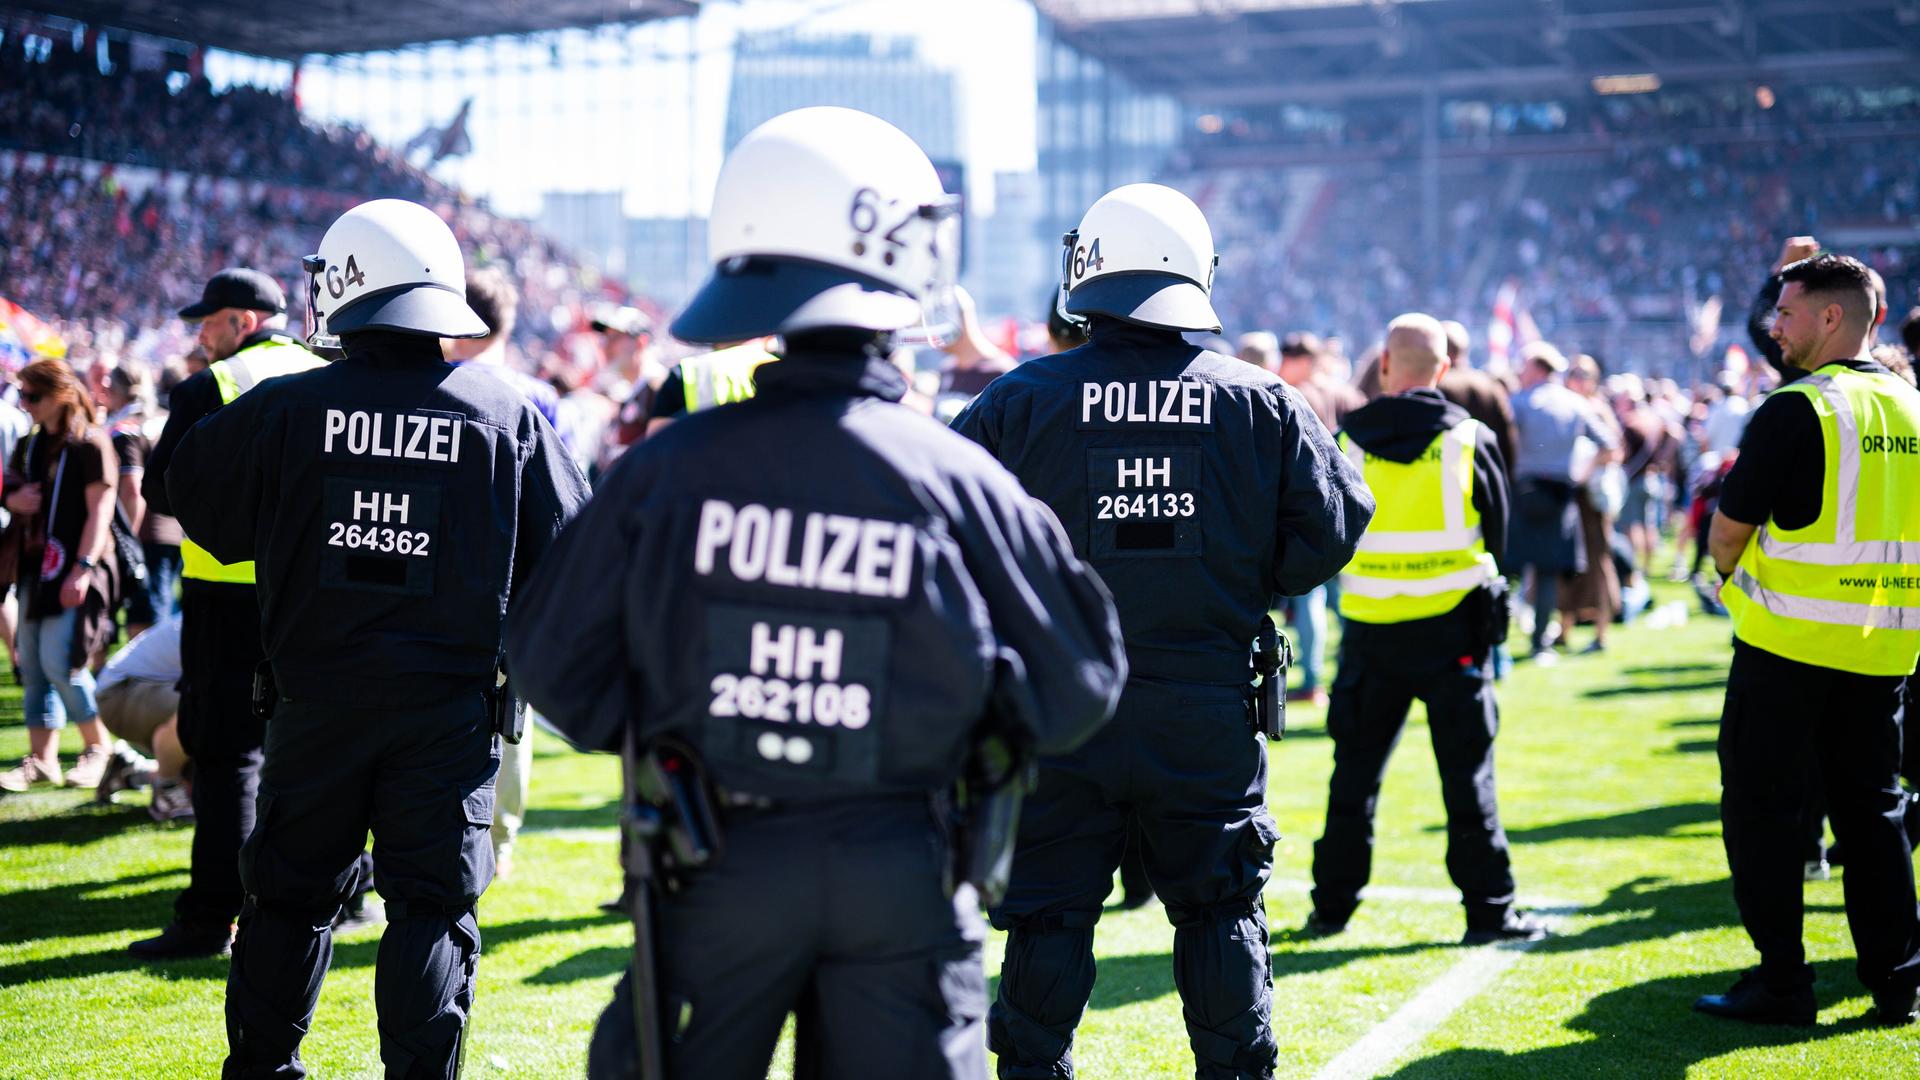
<point x="290" y="31"/>
<point x="1257" y="52"/>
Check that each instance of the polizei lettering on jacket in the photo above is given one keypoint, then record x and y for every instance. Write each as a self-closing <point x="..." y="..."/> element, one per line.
<point x="406" y="435"/>
<point x="805" y="550"/>
<point x="1149" y="402"/>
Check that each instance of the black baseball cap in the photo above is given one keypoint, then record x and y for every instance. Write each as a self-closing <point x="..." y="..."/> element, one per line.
<point x="238" y="287"/>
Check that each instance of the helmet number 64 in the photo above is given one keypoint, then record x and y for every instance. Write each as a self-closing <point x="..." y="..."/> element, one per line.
<point x="1087" y="258"/>
<point x="338" y="280"/>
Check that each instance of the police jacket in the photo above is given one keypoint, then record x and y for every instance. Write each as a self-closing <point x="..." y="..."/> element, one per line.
<point x="391" y="501"/>
<point x="1198" y="485"/>
<point x="825" y="593"/>
<point x="1400" y="428"/>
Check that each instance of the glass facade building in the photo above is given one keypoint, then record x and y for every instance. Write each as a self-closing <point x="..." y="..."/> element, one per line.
<point x="1095" y="130"/>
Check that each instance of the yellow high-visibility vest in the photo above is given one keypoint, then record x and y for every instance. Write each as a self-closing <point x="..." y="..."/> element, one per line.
<point x="234" y="376"/>
<point x="1423" y="552"/>
<point x="722" y="377"/>
<point x="1844" y="592"/>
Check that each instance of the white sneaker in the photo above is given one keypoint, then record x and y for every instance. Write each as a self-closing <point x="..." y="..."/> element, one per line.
<point x="92" y="765"/>
<point x="1816" y="870"/>
<point x="29" y="772"/>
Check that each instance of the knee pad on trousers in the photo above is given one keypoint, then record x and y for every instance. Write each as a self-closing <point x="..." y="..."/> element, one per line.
<point x="1045" y="981"/>
<point x="423" y="988"/>
<point x="273" y="980"/>
<point x="1225" y="975"/>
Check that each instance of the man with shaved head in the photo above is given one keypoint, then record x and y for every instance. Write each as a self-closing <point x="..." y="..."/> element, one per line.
<point x="1424" y="603"/>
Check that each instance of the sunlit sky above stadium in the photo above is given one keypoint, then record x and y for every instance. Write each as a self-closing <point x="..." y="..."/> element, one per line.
<point x="643" y="109"/>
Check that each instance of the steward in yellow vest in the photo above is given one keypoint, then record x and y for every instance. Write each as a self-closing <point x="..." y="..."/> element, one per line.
<point x="1423" y="605"/>
<point x="1818" y="536"/>
<point x="708" y="380"/>
<point x="240" y="320"/>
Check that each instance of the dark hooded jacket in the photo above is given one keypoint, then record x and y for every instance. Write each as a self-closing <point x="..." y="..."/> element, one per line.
<point x="1400" y="428"/>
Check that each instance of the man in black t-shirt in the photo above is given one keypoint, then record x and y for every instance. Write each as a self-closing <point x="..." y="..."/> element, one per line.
<point x="1814" y="694"/>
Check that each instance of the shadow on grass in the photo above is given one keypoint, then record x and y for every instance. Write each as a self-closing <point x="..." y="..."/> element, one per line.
<point x="1694" y="746"/>
<point x="1672" y="669"/>
<point x="1656" y="688"/>
<point x="1651" y="821"/>
<point x="541" y="818"/>
<point x="73" y="825"/>
<point x="1698" y="721"/>
<point x="111" y="959"/>
<point x="591" y="963"/>
<point x="148" y="912"/>
<point x="1645" y="1030"/>
<point x="1126" y="980"/>
<point x="84" y="907"/>
<point x="1648" y="909"/>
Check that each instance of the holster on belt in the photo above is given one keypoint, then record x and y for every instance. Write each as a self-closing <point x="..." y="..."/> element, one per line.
<point x="671" y="830"/>
<point x="983" y="816"/>
<point x="1272" y="655"/>
<point x="508" y="713"/>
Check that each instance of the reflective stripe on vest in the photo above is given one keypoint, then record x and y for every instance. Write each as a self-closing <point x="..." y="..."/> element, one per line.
<point x="720" y="378"/>
<point x="1423" y="552"/>
<point x="232" y="377"/>
<point x="1844" y="592"/>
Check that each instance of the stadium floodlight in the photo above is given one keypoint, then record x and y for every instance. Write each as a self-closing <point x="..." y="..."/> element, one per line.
<point x="1645" y="83"/>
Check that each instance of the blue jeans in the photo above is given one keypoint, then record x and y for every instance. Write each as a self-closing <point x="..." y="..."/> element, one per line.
<point x="46" y="682"/>
<point x="1309" y="634"/>
<point x="163" y="578"/>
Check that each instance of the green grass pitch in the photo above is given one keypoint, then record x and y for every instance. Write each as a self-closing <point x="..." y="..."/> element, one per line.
<point x="1608" y="786"/>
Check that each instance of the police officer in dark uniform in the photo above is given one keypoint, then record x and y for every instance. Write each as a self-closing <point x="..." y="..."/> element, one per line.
<point x="1423" y="606"/>
<point x="391" y="501"/>
<point x="1199" y="486"/>
<point x="825" y="596"/>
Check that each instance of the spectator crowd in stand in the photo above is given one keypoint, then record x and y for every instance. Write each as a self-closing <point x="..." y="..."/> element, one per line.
<point x="150" y="181"/>
<point x="1646" y="214"/>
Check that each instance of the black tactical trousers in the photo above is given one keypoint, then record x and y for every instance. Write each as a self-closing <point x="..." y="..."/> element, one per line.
<point x="422" y="780"/>
<point x="1375" y="687"/>
<point x="833" y="912"/>
<point x="219" y="648"/>
<point x="1790" y="731"/>
<point x="1182" y="763"/>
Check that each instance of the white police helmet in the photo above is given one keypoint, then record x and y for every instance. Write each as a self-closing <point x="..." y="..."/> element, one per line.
<point x="827" y="217"/>
<point x="1142" y="254"/>
<point x="388" y="264"/>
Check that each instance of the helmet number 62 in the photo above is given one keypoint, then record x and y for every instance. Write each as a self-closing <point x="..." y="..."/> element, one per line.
<point x="864" y="217"/>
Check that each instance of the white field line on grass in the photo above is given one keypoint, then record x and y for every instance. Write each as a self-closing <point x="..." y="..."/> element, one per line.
<point x="577" y="834"/>
<point x="1418" y="895"/>
<point x="1379" y="1048"/>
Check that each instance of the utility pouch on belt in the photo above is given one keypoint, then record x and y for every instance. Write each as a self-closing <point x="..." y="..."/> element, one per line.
<point x="1272" y="656"/>
<point x="1494" y="613"/>
<point x="508" y="712"/>
<point x="671" y="829"/>
<point x="984" y="811"/>
<point x="265" y="693"/>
